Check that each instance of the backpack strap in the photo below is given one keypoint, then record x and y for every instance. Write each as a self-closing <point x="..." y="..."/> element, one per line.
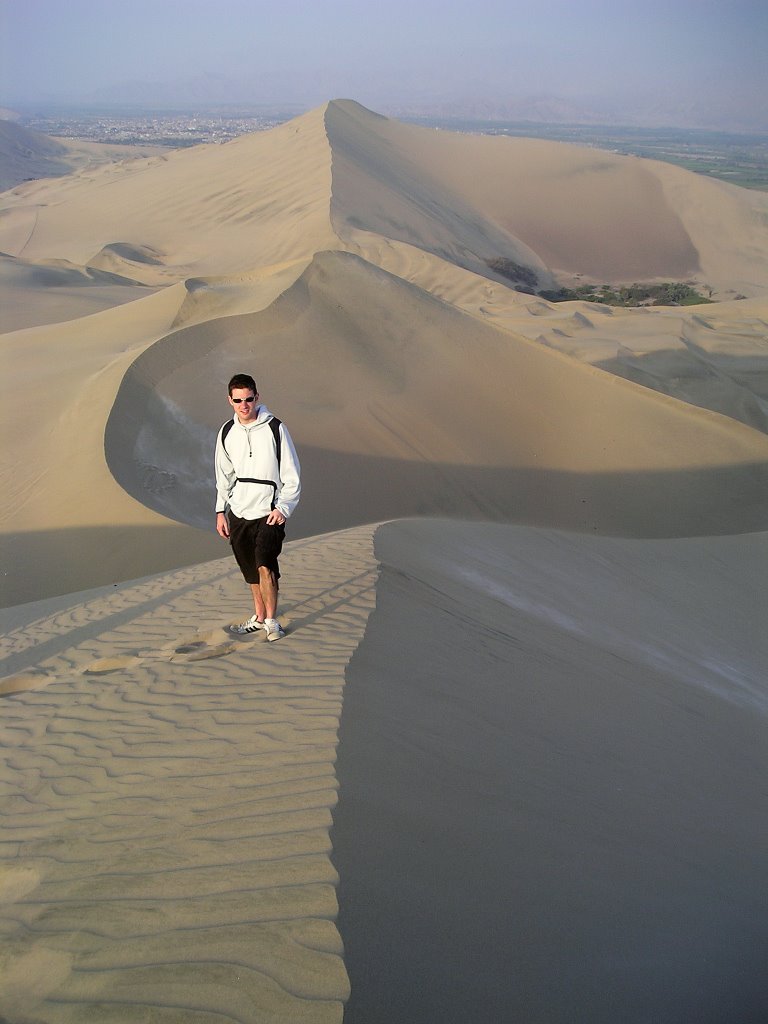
<point x="274" y="424"/>
<point x="224" y="431"/>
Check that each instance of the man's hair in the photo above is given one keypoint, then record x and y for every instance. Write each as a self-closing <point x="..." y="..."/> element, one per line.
<point x="242" y="380"/>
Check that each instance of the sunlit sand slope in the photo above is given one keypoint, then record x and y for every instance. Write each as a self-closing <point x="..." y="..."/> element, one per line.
<point x="67" y="525"/>
<point x="546" y="749"/>
<point x="257" y="200"/>
<point x="711" y="355"/>
<point x="167" y="791"/>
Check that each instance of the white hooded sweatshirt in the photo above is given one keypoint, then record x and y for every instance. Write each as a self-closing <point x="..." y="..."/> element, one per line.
<point x="248" y="478"/>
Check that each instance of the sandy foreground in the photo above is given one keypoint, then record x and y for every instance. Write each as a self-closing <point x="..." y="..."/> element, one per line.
<point x="547" y="752"/>
<point x="508" y="763"/>
<point x="169" y="790"/>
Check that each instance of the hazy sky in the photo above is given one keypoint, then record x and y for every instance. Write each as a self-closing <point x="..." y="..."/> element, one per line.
<point x="666" y="55"/>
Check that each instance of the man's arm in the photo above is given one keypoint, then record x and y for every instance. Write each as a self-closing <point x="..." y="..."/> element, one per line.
<point x="290" y="476"/>
<point x="225" y="481"/>
<point x="222" y="526"/>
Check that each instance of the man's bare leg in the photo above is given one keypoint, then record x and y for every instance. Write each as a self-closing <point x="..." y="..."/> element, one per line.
<point x="258" y="601"/>
<point x="265" y="594"/>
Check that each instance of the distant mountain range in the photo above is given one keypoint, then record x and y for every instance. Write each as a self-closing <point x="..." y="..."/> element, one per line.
<point x="552" y="109"/>
<point x="292" y="93"/>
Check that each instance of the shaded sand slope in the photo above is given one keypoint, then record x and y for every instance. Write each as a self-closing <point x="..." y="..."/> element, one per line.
<point x="25" y="154"/>
<point x="400" y="402"/>
<point x="167" y="791"/>
<point x="381" y="186"/>
<point x="552" y="795"/>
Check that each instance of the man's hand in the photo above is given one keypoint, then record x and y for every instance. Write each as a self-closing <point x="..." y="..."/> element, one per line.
<point x="275" y="518"/>
<point x="222" y="526"/>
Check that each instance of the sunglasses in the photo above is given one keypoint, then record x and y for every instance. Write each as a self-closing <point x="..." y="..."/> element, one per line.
<point x="247" y="401"/>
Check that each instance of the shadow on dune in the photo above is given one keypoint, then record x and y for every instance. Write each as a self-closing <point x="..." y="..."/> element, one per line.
<point x="547" y="811"/>
<point x="442" y="411"/>
<point x="46" y="563"/>
<point x="342" y="490"/>
<point x="695" y="502"/>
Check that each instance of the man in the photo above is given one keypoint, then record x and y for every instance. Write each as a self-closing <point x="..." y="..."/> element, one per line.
<point x="258" y="487"/>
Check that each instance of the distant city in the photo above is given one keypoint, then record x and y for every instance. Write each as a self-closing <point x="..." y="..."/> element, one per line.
<point x="159" y="128"/>
<point x="738" y="157"/>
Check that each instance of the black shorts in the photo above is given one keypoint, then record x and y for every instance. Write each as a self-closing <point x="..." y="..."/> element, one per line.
<point x="254" y="544"/>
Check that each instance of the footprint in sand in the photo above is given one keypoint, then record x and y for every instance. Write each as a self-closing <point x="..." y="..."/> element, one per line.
<point x="27" y="977"/>
<point x="219" y="651"/>
<point x="21" y="682"/>
<point x="202" y="646"/>
<point x="200" y="649"/>
<point x="192" y="650"/>
<point x="104" y="666"/>
<point x="16" y="882"/>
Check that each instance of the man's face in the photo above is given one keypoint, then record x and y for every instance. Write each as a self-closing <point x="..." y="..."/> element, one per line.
<point x="245" y="403"/>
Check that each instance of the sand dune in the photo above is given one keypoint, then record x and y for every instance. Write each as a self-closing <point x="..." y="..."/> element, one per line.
<point x="712" y="356"/>
<point x="559" y="801"/>
<point x="242" y="239"/>
<point x="52" y="291"/>
<point x="556" y="815"/>
<point x="600" y="215"/>
<point x="382" y="188"/>
<point x="553" y="700"/>
<point x="449" y="436"/>
<point x="213" y="209"/>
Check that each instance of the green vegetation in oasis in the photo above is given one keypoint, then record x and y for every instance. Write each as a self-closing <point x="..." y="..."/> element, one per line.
<point x="669" y="293"/>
